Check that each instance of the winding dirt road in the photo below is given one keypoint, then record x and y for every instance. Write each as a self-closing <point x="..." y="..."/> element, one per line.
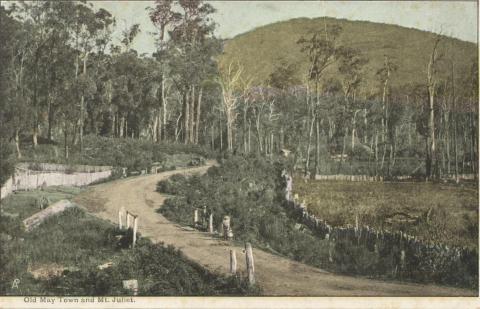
<point x="278" y="276"/>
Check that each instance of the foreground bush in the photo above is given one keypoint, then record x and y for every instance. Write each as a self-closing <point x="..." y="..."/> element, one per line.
<point x="75" y="243"/>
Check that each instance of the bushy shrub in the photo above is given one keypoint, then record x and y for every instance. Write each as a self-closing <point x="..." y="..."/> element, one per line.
<point x="80" y="243"/>
<point x="134" y="154"/>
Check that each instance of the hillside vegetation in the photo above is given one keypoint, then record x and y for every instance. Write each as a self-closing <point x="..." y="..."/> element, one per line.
<point x="264" y="48"/>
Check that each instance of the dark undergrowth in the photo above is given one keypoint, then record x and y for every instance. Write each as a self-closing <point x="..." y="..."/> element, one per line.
<point x="134" y="154"/>
<point x="62" y="257"/>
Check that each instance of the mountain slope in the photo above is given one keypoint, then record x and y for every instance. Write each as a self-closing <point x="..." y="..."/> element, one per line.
<point x="261" y="49"/>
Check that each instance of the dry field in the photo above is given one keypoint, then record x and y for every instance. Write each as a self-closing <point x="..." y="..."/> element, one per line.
<point x="434" y="212"/>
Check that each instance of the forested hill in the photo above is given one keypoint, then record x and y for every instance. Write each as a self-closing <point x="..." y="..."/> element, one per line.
<point x="264" y="48"/>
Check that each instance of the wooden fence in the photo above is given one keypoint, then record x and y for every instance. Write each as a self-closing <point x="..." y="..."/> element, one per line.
<point x="25" y="179"/>
<point x="341" y="177"/>
<point x="53" y="167"/>
<point x="409" y="253"/>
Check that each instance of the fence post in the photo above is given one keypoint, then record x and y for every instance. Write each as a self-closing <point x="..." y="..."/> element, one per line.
<point x="134" y="238"/>
<point x="330" y="249"/>
<point x="120" y="218"/>
<point x="210" y="224"/>
<point x="128" y="220"/>
<point x="204" y="217"/>
<point x="195" y="217"/>
<point x="233" y="262"/>
<point x="402" y="260"/>
<point x="250" y="263"/>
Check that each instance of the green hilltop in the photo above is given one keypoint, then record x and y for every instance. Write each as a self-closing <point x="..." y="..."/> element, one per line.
<point x="264" y="48"/>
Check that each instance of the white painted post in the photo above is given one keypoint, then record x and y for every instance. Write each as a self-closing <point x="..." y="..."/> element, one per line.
<point x="250" y="263"/>
<point x="220" y="229"/>
<point x="204" y="217"/>
<point x="210" y="224"/>
<point x="135" y="226"/>
<point x="233" y="262"/>
<point x="195" y="217"/>
<point x="331" y="245"/>
<point x="120" y="217"/>
<point x="128" y="220"/>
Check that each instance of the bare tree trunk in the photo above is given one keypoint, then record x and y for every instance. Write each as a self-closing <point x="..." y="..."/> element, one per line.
<point x="197" y="122"/>
<point x="454" y="116"/>
<point x="192" y="117"/>
<point x="229" y="130"/>
<point x="155" y="126"/>
<point x="344" y="144"/>
<point x="17" y="144"/>
<point x="354" y="130"/>
<point x="249" y="136"/>
<point x="431" y="120"/>
<point x="376" y="153"/>
<point x="212" y="131"/>
<point x="65" y="139"/>
<point x="122" y="125"/>
<point x="431" y="127"/>
<point x="113" y="128"/>
<point x="271" y="144"/>
<point x="473" y="151"/>
<point x="310" y="133"/>
<point x="221" y="136"/>
<point x="245" y="150"/>
<point x="186" y="118"/>
<point x="317" y="147"/>
<point x="163" y="134"/>
<point x="282" y="138"/>
<point x="365" y="122"/>
<point x="82" y="105"/>
<point x="177" y="124"/>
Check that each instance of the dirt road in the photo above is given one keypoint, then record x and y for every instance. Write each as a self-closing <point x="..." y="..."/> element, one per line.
<point x="277" y="275"/>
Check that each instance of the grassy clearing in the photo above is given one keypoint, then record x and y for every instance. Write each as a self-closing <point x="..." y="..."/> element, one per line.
<point x="62" y="257"/>
<point x="443" y="213"/>
<point x="23" y="203"/>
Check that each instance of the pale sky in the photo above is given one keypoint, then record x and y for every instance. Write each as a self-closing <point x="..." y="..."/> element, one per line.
<point x="452" y="18"/>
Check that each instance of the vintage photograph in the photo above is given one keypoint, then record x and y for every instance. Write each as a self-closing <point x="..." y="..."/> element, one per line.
<point x="237" y="148"/>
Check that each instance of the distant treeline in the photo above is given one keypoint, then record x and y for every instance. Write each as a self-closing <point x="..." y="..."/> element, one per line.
<point x="63" y="77"/>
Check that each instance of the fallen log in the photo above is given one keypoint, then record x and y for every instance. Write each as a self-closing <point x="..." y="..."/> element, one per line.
<point x="35" y="220"/>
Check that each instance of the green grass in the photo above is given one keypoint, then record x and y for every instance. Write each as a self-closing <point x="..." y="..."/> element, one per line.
<point x="453" y="218"/>
<point x="23" y="203"/>
<point x="262" y="49"/>
<point x="75" y="243"/>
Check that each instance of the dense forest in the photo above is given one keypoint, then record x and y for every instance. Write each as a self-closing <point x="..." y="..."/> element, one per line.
<point x="342" y="110"/>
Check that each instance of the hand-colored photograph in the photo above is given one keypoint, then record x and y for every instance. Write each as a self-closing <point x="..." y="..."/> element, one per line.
<point x="237" y="148"/>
